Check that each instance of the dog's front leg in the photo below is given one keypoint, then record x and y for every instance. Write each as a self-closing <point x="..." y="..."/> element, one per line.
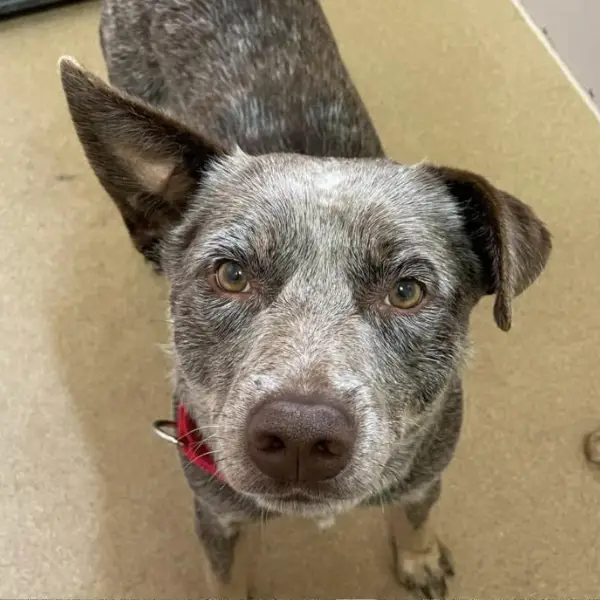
<point x="227" y="573"/>
<point x="422" y="563"/>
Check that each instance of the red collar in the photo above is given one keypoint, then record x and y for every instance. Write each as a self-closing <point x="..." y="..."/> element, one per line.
<point x="191" y="444"/>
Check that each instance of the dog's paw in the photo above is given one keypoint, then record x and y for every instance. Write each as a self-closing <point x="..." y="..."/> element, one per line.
<point x="424" y="574"/>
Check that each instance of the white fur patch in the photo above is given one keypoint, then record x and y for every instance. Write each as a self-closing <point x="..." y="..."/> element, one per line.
<point x="325" y="522"/>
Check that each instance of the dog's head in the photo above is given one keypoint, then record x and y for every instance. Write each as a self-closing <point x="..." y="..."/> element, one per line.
<point x="319" y="307"/>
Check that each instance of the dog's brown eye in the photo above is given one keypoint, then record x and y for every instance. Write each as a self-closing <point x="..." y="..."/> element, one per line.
<point x="231" y="278"/>
<point x="406" y="294"/>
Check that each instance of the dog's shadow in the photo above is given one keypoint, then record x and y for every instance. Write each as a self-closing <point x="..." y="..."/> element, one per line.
<point x="106" y="316"/>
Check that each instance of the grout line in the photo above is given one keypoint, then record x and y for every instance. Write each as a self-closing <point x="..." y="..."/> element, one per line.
<point x="557" y="58"/>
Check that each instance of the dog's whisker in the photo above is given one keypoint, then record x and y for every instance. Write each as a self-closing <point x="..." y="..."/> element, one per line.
<point x="198" y="430"/>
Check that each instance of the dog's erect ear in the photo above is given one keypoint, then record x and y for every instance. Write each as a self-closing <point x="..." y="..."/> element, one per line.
<point x="148" y="163"/>
<point x="512" y="244"/>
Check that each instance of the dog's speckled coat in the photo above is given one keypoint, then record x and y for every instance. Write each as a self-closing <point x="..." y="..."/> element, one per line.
<point x="324" y="238"/>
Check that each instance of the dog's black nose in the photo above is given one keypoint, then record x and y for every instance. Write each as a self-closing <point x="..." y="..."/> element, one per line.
<point x="300" y="438"/>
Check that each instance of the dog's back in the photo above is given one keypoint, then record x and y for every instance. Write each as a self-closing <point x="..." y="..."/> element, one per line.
<point x="263" y="74"/>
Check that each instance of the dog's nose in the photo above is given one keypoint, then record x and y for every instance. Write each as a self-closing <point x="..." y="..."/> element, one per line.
<point x="300" y="438"/>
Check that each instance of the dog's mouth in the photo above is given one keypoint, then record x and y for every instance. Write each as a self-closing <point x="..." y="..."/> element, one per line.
<point x="294" y="497"/>
<point x="304" y="504"/>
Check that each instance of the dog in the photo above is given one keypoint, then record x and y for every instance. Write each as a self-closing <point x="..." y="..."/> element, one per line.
<point x="320" y="292"/>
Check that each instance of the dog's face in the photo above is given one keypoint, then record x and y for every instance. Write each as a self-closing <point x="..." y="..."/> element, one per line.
<point x="352" y="282"/>
<point x="319" y="307"/>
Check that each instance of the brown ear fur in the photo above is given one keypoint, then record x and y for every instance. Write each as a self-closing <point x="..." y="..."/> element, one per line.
<point x="147" y="162"/>
<point x="512" y="244"/>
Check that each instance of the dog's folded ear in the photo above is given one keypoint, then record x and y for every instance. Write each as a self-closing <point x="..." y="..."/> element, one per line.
<point x="510" y="241"/>
<point x="147" y="162"/>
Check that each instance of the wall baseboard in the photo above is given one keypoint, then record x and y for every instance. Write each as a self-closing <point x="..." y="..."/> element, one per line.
<point x="589" y="94"/>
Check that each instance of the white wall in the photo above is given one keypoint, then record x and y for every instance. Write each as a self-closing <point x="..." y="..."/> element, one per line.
<point x="573" y="29"/>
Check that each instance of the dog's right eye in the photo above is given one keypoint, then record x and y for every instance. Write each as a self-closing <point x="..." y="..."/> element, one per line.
<point x="406" y="295"/>
<point x="231" y="278"/>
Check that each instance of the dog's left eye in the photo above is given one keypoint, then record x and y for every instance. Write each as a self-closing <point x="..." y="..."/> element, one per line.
<point x="230" y="277"/>
<point x="407" y="294"/>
